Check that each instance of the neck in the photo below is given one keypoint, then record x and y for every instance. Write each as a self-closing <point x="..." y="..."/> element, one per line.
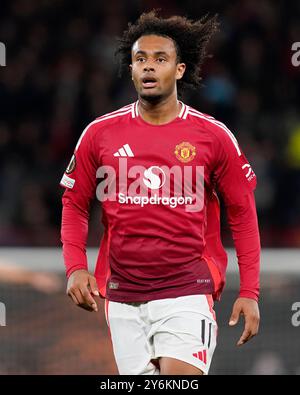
<point x="160" y="112"/>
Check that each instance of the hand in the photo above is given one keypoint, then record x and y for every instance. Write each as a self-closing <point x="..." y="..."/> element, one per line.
<point x="249" y="309"/>
<point x="81" y="286"/>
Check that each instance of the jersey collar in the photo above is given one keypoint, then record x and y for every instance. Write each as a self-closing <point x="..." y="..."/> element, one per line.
<point x="182" y="114"/>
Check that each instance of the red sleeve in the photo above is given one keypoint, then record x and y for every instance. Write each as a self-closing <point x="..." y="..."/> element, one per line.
<point x="79" y="180"/>
<point x="236" y="182"/>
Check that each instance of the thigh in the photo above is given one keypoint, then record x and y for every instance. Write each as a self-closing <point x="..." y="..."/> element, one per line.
<point x="132" y="350"/>
<point x="186" y="334"/>
<point x="172" y="366"/>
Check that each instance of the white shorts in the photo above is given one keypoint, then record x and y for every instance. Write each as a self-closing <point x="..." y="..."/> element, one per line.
<point x="183" y="328"/>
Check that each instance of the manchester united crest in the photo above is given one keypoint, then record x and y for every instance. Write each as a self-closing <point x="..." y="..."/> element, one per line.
<point x="185" y="152"/>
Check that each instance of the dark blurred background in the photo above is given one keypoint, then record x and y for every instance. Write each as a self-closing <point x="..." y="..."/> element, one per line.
<point x="60" y="74"/>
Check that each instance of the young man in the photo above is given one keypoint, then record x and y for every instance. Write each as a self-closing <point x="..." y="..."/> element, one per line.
<point x="155" y="166"/>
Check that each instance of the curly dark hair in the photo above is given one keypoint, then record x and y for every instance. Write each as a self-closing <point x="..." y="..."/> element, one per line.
<point x="190" y="39"/>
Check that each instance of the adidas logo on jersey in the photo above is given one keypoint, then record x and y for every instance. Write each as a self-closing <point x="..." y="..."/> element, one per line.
<point x="124" y="151"/>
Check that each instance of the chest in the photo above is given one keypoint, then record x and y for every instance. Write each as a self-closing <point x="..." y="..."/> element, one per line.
<point x="179" y="146"/>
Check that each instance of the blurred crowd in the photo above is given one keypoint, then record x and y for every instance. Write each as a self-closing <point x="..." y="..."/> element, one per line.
<point x="60" y="74"/>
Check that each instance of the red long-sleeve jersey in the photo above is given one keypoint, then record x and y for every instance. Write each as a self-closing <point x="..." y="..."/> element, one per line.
<point x="160" y="210"/>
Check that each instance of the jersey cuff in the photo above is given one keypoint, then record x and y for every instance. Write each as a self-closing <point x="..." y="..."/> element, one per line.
<point x="74" y="268"/>
<point x="249" y="294"/>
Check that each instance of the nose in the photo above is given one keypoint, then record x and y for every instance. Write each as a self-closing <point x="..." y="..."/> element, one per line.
<point x="148" y="68"/>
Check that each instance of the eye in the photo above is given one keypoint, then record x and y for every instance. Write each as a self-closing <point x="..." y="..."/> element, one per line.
<point x="140" y="59"/>
<point x="161" y="60"/>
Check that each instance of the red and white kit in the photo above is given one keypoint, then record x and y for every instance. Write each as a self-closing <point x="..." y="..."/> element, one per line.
<point x="155" y="249"/>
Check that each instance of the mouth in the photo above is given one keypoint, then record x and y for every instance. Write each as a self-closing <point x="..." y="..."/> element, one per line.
<point x="149" y="82"/>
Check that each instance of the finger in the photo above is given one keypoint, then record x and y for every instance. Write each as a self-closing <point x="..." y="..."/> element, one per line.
<point x="235" y="315"/>
<point x="93" y="286"/>
<point x="251" y="328"/>
<point x="86" y="307"/>
<point x="77" y="294"/>
<point x="246" y="336"/>
<point x="88" y="299"/>
<point x="80" y="301"/>
<point x="247" y="333"/>
<point x="73" y="297"/>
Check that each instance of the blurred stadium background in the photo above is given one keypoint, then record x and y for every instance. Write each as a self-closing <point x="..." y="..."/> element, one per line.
<point x="59" y="76"/>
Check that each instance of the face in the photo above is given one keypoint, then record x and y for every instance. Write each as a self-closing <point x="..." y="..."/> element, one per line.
<point x="154" y="67"/>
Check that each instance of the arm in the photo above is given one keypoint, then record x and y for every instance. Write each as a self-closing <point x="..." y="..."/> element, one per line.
<point x="236" y="182"/>
<point x="242" y="220"/>
<point x="80" y="182"/>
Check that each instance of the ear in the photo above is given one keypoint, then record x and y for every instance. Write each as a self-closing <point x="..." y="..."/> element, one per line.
<point x="130" y="70"/>
<point x="180" y="70"/>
